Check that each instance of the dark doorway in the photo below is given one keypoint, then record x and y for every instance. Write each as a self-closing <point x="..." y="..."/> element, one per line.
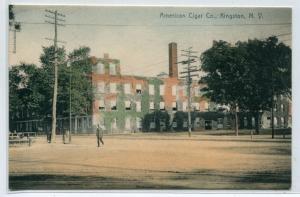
<point x="208" y="124"/>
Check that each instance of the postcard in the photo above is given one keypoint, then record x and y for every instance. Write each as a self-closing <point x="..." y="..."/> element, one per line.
<point x="149" y="97"/>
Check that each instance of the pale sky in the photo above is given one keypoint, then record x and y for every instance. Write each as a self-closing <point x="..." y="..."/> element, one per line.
<point x="139" y="36"/>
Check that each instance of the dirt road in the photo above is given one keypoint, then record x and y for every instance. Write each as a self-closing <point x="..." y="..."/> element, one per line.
<point x="154" y="161"/>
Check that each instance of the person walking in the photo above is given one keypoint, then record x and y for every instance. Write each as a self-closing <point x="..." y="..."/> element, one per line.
<point x="99" y="134"/>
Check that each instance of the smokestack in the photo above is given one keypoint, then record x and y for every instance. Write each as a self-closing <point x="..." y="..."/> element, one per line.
<point x="106" y="56"/>
<point x="173" y="69"/>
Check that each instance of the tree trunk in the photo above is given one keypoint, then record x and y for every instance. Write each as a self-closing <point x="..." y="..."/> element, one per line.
<point x="272" y="118"/>
<point x="236" y="121"/>
<point x="257" y="126"/>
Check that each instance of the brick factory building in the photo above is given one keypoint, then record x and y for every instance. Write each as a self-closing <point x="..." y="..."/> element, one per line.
<point x="122" y="101"/>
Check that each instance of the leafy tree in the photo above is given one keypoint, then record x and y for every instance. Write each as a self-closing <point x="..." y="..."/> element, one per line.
<point x="11" y="12"/>
<point x="269" y="65"/>
<point x="81" y="87"/>
<point x="31" y="87"/>
<point x="225" y="75"/>
<point x="47" y="59"/>
<point x="247" y="75"/>
<point x="14" y="99"/>
<point x="25" y="97"/>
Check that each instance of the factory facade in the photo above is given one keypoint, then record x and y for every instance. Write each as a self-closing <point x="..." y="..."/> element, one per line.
<point x="122" y="101"/>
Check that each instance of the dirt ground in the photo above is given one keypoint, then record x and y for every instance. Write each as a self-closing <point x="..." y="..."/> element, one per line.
<point x="152" y="161"/>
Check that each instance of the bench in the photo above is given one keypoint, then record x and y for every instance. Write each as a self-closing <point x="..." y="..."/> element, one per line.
<point x="18" y="138"/>
<point x="21" y="141"/>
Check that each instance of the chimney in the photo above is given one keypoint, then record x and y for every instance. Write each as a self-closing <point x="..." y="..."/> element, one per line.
<point x="173" y="69"/>
<point x="106" y="56"/>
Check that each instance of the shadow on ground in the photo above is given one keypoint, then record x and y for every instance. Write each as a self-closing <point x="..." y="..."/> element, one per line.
<point x="264" y="180"/>
<point x="64" y="182"/>
<point x="200" y="179"/>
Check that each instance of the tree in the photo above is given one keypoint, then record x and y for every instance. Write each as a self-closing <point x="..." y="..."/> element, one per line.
<point x="269" y="74"/>
<point x="25" y="97"/>
<point x="31" y="87"/>
<point x="14" y="99"/>
<point x="225" y="75"/>
<point x="247" y="75"/>
<point x="81" y="87"/>
<point x="11" y="12"/>
<point x="47" y="59"/>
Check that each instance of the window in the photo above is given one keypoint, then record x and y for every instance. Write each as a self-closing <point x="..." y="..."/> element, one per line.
<point x="275" y="122"/>
<point x="151" y="105"/>
<point x="162" y="105"/>
<point x="101" y="87"/>
<point x="206" y="105"/>
<point x="138" y="123"/>
<point x="138" y="106"/>
<point x="127" y="105"/>
<point x="114" y="123"/>
<point x="127" y="123"/>
<point x="138" y="88"/>
<point x="285" y="122"/>
<point x="174" y="90"/>
<point x="282" y="107"/>
<point x="113" y="88"/>
<point x="127" y="88"/>
<point x="151" y="89"/>
<point x="162" y="90"/>
<point x="196" y="106"/>
<point x="174" y="106"/>
<point x="101" y="105"/>
<point x="275" y="107"/>
<point x="281" y="122"/>
<point x="113" y="105"/>
<point x="112" y="69"/>
<point x="100" y="68"/>
<point x="184" y="106"/>
<point x="197" y="91"/>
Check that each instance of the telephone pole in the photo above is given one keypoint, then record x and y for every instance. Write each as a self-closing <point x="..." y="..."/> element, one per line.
<point x="52" y="18"/>
<point x="14" y="27"/>
<point x="188" y="74"/>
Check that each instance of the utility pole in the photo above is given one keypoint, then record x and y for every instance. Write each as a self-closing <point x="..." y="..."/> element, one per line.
<point x="54" y="17"/>
<point x="70" y="103"/>
<point x="189" y="73"/>
<point x="14" y="27"/>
